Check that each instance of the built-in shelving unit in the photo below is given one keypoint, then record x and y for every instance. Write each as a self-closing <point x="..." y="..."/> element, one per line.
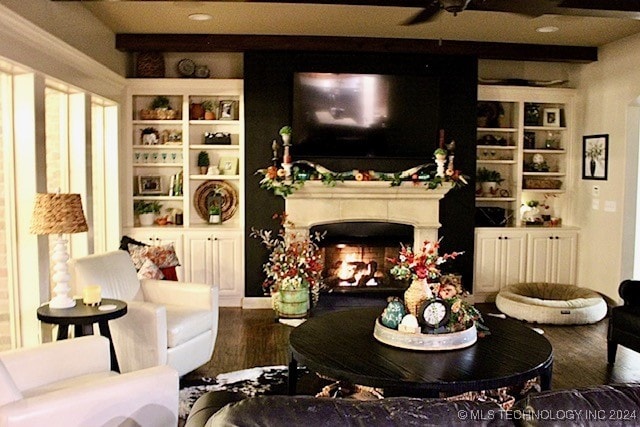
<point x="164" y="168"/>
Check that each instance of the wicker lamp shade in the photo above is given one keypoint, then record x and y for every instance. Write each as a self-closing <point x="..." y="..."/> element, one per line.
<point x="58" y="214"/>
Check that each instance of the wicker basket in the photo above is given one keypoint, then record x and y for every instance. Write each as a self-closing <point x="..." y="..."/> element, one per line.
<point x="542" y="184"/>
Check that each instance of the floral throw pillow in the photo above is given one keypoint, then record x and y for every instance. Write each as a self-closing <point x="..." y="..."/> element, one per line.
<point x="163" y="256"/>
<point x="150" y="270"/>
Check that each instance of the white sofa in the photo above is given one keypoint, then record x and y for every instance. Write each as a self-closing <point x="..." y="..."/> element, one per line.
<point x="69" y="383"/>
<point x="167" y="322"/>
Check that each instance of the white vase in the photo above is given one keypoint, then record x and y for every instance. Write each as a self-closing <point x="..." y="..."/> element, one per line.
<point x="489" y="189"/>
<point x="147" y="219"/>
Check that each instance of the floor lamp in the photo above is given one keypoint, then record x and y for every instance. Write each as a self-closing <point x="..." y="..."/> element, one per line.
<point x="59" y="214"/>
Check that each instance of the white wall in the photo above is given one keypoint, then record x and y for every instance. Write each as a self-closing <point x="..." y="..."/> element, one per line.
<point x="608" y="93"/>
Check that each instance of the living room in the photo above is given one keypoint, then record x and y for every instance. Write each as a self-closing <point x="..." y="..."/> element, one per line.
<point x="606" y="103"/>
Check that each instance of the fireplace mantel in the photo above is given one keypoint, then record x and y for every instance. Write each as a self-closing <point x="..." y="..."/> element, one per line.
<point x="316" y="203"/>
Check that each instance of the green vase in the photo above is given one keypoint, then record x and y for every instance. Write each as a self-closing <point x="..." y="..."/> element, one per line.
<point x="293" y="304"/>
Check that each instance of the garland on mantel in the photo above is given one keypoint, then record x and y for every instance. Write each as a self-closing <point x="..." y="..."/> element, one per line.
<point x="288" y="178"/>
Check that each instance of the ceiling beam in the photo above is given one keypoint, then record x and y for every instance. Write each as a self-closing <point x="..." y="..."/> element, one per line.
<point x="243" y="43"/>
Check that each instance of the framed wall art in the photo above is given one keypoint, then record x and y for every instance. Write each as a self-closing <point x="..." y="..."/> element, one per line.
<point x="228" y="165"/>
<point x="595" y="157"/>
<point x="149" y="184"/>
<point x="551" y="117"/>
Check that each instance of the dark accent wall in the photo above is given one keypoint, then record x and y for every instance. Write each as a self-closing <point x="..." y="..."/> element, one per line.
<point x="268" y="78"/>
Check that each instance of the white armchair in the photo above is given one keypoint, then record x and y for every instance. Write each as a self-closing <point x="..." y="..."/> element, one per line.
<point x="167" y="322"/>
<point x="69" y="383"/>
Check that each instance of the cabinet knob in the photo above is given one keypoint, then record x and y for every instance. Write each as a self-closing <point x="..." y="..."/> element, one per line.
<point x="550" y="237"/>
<point x="506" y="237"/>
<point x="557" y="237"/>
<point x="209" y="238"/>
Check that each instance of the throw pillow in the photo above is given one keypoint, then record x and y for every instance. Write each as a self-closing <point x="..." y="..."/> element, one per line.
<point x="150" y="270"/>
<point x="126" y="241"/>
<point x="163" y="256"/>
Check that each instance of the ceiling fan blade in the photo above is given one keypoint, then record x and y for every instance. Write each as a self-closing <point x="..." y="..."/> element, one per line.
<point x="425" y="15"/>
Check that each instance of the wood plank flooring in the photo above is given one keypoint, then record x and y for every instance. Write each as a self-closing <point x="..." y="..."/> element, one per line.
<point x="248" y="338"/>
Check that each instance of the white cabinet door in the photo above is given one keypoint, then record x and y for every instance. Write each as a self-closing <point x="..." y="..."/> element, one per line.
<point x="488" y="262"/>
<point x="552" y="257"/>
<point x="514" y="252"/>
<point x="500" y="259"/>
<point x="216" y="259"/>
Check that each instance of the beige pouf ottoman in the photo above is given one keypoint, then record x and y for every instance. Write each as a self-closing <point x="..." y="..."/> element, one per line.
<point x="551" y="303"/>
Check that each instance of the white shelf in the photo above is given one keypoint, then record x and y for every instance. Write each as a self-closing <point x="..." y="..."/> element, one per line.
<point x="507" y="130"/>
<point x="495" y="162"/>
<point x="215" y="177"/>
<point x="158" y="147"/>
<point x="157" y="165"/>
<point x="544" y="128"/>
<point x="157" y="122"/>
<point x="539" y="190"/>
<point x="228" y="147"/>
<point x="543" y="174"/>
<point x="544" y="151"/>
<point x="160" y="197"/>
<point x="497" y="147"/>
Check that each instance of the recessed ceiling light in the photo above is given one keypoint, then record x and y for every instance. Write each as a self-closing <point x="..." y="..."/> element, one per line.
<point x="549" y="29"/>
<point x="200" y="17"/>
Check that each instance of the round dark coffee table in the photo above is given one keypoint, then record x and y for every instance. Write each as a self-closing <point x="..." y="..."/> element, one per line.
<point x="340" y="345"/>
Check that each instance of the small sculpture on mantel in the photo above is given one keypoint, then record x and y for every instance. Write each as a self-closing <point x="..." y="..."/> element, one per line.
<point x="274" y="149"/>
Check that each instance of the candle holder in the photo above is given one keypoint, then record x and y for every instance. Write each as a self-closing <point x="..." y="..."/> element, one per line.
<point x="91" y="295"/>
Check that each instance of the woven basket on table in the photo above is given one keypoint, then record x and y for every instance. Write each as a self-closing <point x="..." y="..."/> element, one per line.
<point x="542" y="184"/>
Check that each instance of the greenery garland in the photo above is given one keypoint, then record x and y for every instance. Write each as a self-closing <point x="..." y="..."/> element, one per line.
<point x="275" y="179"/>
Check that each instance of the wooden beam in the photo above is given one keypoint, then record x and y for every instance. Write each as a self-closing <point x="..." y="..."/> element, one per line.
<point x="242" y="43"/>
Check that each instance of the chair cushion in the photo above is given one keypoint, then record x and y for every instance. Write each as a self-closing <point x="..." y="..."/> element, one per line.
<point x="67" y="383"/>
<point x="626" y="318"/>
<point x="8" y="390"/>
<point x="184" y="324"/>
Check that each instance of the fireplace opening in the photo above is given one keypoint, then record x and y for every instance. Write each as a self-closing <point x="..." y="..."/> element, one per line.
<point x="356" y="256"/>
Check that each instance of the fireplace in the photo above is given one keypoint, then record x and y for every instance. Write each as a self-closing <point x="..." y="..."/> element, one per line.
<point x="356" y="256"/>
<point x="369" y="220"/>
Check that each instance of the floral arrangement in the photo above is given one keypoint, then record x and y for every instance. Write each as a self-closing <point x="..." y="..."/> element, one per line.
<point x="294" y="259"/>
<point x="423" y="264"/>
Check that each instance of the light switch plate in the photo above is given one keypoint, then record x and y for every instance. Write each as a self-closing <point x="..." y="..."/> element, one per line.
<point x="595" y="191"/>
<point x="595" y="204"/>
<point x="610" y="206"/>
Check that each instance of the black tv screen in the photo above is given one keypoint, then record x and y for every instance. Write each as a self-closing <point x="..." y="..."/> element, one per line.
<point x="364" y="115"/>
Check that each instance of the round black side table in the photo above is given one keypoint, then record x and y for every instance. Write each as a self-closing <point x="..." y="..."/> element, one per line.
<point x="82" y="317"/>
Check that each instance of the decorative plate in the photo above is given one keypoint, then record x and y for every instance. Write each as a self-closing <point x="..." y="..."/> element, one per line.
<point x="209" y="191"/>
<point x="186" y="67"/>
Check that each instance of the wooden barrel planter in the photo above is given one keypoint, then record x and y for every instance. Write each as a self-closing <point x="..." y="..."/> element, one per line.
<point x="293" y="304"/>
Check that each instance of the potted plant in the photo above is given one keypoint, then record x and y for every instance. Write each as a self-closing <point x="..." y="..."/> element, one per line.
<point x="146" y="211"/>
<point x="209" y="109"/>
<point x="215" y="214"/>
<point x="293" y="269"/>
<point x="489" y="181"/>
<point x="161" y="105"/>
<point x="285" y="133"/>
<point x="203" y="162"/>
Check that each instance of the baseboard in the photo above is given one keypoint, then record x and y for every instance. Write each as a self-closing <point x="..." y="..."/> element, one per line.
<point x="256" y="303"/>
<point x="226" y="301"/>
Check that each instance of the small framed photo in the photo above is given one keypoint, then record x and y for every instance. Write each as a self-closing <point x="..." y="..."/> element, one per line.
<point x="149" y="184"/>
<point x="227" y="110"/>
<point x="595" y="157"/>
<point x="228" y="165"/>
<point x="551" y="117"/>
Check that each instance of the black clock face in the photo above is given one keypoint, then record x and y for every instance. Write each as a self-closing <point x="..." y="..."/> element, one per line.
<point x="435" y="313"/>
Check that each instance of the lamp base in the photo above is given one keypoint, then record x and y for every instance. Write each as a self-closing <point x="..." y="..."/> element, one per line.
<point x="62" y="301"/>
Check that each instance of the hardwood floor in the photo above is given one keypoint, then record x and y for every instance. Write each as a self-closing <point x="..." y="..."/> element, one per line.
<point x="248" y="338"/>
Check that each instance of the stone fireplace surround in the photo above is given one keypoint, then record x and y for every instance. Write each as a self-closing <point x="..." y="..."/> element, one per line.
<point x="316" y="203"/>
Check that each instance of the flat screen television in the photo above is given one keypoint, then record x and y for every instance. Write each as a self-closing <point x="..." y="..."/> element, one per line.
<point x="343" y="115"/>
